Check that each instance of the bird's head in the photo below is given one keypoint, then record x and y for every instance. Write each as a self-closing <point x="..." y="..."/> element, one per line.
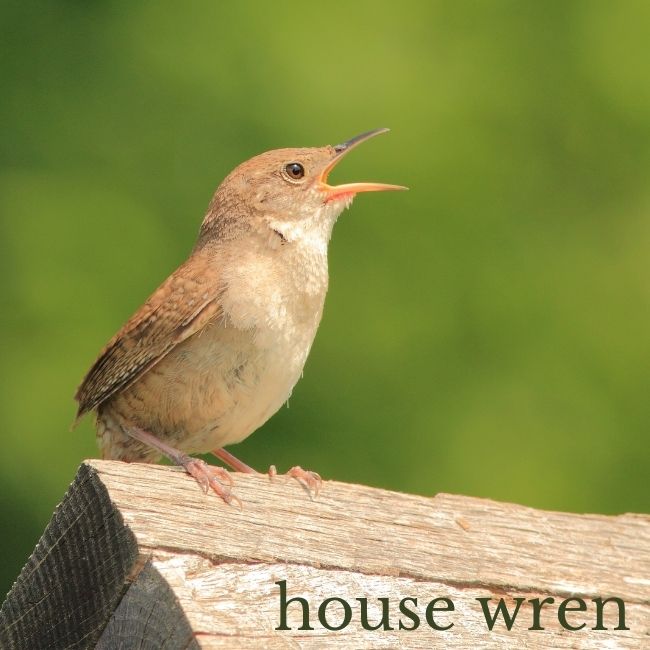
<point x="288" y="190"/>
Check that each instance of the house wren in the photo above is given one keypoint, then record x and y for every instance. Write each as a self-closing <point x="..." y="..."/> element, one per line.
<point x="218" y="347"/>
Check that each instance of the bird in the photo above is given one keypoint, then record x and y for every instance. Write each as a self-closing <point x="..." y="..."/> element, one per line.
<point x="218" y="347"/>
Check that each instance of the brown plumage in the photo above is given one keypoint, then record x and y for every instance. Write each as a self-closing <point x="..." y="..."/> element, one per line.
<point x="179" y="308"/>
<point x="218" y="347"/>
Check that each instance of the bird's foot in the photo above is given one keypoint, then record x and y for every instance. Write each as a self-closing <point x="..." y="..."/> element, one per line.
<point x="310" y="480"/>
<point x="209" y="476"/>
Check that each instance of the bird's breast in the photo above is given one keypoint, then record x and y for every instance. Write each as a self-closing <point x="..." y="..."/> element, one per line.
<point x="271" y="311"/>
<point x="279" y="290"/>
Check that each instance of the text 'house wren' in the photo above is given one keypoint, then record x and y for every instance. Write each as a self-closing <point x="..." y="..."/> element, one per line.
<point x="218" y="347"/>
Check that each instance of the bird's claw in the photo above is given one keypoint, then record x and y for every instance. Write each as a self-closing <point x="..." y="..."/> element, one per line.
<point x="311" y="480"/>
<point x="209" y="476"/>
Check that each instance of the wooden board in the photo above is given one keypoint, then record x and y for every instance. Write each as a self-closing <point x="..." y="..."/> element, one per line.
<point x="137" y="554"/>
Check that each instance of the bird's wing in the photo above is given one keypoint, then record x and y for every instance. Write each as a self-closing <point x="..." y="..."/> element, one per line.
<point x="180" y="307"/>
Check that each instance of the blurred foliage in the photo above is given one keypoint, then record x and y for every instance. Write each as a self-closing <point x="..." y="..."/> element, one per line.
<point x="485" y="333"/>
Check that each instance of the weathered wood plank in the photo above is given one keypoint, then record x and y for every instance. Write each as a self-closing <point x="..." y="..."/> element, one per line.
<point x="136" y="553"/>
<point x="76" y="575"/>
<point x="248" y="615"/>
<point x="150" y="611"/>
<point x="447" y="538"/>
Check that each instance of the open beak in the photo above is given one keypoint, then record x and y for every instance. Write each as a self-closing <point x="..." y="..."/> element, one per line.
<point x="350" y="189"/>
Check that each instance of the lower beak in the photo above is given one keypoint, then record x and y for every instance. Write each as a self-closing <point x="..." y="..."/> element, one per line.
<point x="350" y="189"/>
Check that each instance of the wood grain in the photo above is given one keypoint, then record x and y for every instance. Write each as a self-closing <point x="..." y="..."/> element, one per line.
<point x="137" y="554"/>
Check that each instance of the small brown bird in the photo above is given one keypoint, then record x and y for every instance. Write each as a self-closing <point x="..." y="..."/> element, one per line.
<point x="218" y="347"/>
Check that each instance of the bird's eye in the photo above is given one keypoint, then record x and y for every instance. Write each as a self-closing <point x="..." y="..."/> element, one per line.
<point x="295" y="170"/>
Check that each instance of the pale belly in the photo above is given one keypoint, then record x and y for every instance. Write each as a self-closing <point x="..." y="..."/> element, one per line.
<point x="260" y="373"/>
<point x="212" y="390"/>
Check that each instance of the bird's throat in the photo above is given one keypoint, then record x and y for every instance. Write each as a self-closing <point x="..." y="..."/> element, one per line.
<point x="313" y="230"/>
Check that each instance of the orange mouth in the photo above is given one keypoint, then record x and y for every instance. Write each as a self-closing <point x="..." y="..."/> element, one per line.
<point x="350" y="189"/>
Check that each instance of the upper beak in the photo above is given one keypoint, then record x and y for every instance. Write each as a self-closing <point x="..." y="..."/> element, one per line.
<point x="340" y="150"/>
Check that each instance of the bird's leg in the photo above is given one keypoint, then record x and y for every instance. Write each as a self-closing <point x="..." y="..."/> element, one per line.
<point x="240" y="466"/>
<point x="206" y="475"/>
<point x="311" y="480"/>
<point x="234" y="462"/>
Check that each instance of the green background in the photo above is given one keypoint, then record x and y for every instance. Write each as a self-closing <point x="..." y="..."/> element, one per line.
<point x="486" y="333"/>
